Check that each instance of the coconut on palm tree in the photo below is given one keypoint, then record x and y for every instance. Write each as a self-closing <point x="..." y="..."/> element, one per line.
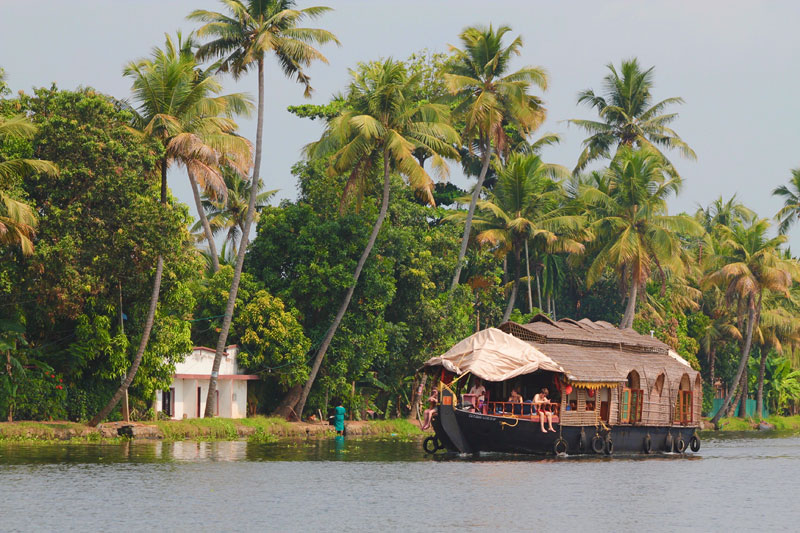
<point x="526" y="207"/>
<point x="628" y="116"/>
<point x="374" y="136"/>
<point x="634" y="233"/>
<point x="243" y="38"/>
<point x="753" y="268"/>
<point x="179" y="105"/>
<point x="489" y="96"/>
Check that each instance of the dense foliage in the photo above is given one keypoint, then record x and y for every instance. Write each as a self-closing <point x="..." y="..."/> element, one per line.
<point x="82" y="223"/>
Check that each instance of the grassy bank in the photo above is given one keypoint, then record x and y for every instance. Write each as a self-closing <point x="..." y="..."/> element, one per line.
<point x="782" y="423"/>
<point x="257" y="429"/>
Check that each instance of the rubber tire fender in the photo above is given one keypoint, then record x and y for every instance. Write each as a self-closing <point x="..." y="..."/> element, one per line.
<point x="431" y="445"/>
<point x="669" y="444"/>
<point x="680" y="445"/>
<point x="582" y="442"/>
<point x="598" y="445"/>
<point x="609" y="446"/>
<point x="560" y="447"/>
<point x="694" y="443"/>
<point x="647" y="445"/>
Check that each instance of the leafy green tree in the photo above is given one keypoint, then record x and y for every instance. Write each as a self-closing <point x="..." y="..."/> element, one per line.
<point x="488" y="98"/>
<point x="628" y="116"/>
<point x="17" y="219"/>
<point x="526" y="205"/>
<point x="634" y="233"/>
<point x="101" y="228"/>
<point x="230" y="214"/>
<point x="382" y="126"/>
<point x="752" y="268"/>
<point x="273" y="340"/>
<point x="180" y="106"/>
<point x="243" y="38"/>
<point x="790" y="194"/>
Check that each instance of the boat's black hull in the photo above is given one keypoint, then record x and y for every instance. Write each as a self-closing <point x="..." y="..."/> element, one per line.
<point x="472" y="432"/>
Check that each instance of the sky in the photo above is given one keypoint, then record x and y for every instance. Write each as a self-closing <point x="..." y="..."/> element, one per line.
<point x="735" y="63"/>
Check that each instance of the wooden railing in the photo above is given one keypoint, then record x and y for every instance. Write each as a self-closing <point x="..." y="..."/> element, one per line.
<point x="516" y="409"/>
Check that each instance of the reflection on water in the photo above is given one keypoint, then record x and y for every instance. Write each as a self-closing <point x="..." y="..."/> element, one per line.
<point x="347" y="484"/>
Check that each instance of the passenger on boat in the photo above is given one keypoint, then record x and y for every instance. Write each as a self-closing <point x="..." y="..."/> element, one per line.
<point x="480" y="393"/>
<point x="433" y="399"/>
<point x="540" y="401"/>
<point x="515" y="397"/>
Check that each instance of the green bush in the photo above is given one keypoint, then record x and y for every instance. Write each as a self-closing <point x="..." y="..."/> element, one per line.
<point x="40" y="395"/>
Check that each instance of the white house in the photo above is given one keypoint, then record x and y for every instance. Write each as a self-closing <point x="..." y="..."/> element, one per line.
<point x="186" y="397"/>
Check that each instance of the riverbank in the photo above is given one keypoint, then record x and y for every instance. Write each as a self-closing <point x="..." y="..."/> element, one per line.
<point x="781" y="423"/>
<point x="256" y="429"/>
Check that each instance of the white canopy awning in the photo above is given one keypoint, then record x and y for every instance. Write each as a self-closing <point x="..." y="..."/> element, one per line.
<point x="494" y="355"/>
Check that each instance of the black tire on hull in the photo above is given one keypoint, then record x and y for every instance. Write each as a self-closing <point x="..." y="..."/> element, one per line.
<point x="694" y="443"/>
<point x="597" y="444"/>
<point x="669" y="444"/>
<point x="648" y="444"/>
<point x="680" y="445"/>
<point x="560" y="447"/>
<point x="431" y="445"/>
<point x="609" y="448"/>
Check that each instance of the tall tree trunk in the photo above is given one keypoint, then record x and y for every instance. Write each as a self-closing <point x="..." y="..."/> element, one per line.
<point x="513" y="297"/>
<point x="745" y="392"/>
<point x="760" y="391"/>
<point x="237" y="270"/>
<point x="148" y="323"/>
<point x="753" y="314"/>
<point x="538" y="289"/>
<point x="486" y="157"/>
<point x="528" y="272"/>
<point x="417" y="399"/>
<point x="630" y="309"/>
<point x="734" y="407"/>
<point x="349" y="295"/>
<point x="212" y="246"/>
<point x="712" y="361"/>
<point x="8" y="373"/>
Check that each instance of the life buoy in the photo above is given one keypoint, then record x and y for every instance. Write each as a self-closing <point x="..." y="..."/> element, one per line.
<point x="597" y="444"/>
<point x="560" y="447"/>
<point x="680" y="445"/>
<point x="430" y="445"/>
<point x="648" y="444"/>
<point x="609" y="446"/>
<point x="694" y="443"/>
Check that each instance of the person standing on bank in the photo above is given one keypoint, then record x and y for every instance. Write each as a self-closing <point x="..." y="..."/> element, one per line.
<point x="338" y="418"/>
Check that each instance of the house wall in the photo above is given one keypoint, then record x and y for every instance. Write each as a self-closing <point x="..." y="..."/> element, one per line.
<point x="232" y="392"/>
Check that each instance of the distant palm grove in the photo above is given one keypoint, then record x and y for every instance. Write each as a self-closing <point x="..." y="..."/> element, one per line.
<point x="106" y="282"/>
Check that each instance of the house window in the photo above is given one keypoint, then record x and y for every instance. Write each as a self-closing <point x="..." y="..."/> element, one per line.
<point x="590" y="399"/>
<point x="604" y="396"/>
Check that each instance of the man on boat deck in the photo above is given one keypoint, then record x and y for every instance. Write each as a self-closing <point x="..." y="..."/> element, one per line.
<point x="539" y="401"/>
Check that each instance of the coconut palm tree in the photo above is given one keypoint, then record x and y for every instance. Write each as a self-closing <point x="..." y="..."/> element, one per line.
<point x="628" y="116"/>
<point x="488" y="97"/>
<point x="753" y="268"/>
<point x="790" y="212"/>
<point x="526" y="207"/>
<point x="229" y="216"/>
<point x="635" y="234"/>
<point x="244" y="37"/>
<point x="17" y="219"/>
<point x="180" y="106"/>
<point x="378" y="133"/>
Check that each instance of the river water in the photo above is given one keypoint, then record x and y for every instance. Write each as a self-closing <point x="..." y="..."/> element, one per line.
<point x="732" y="484"/>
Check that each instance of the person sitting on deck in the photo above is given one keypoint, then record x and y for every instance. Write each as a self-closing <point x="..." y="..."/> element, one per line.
<point x="480" y="393"/>
<point x="433" y="399"/>
<point x="516" y="397"/>
<point x="540" y="401"/>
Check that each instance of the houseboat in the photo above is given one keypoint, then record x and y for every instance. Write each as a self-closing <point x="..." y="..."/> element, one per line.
<point x="610" y="391"/>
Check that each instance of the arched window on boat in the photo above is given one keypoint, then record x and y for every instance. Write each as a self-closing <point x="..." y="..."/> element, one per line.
<point x="632" y="400"/>
<point x="684" y="402"/>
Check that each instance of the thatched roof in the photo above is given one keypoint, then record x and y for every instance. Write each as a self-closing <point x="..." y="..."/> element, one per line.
<point x="599" y="352"/>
